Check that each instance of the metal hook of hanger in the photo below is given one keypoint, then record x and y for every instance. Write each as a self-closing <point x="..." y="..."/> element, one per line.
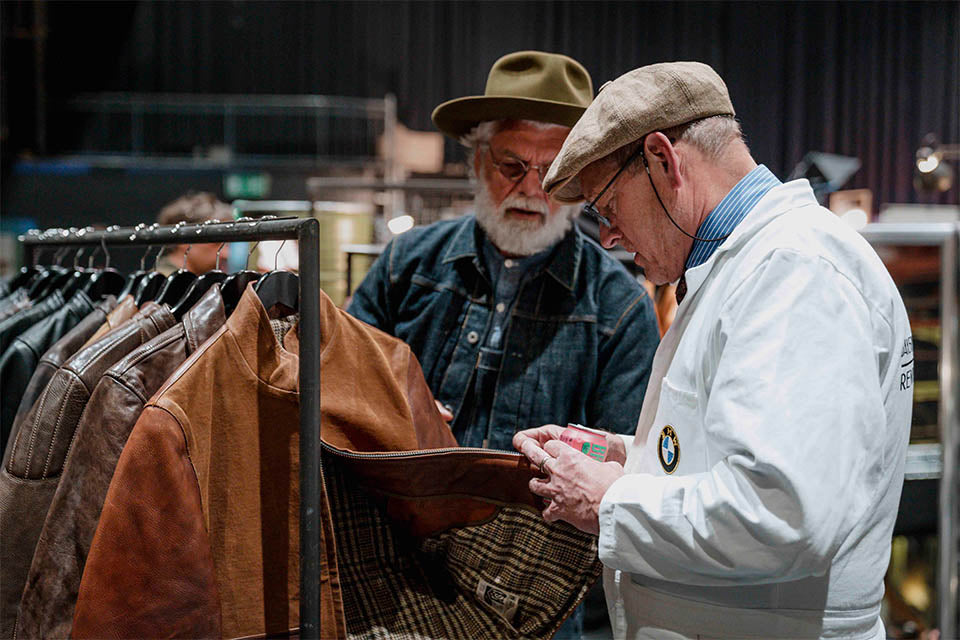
<point x="256" y="222"/>
<point x="63" y="251"/>
<point x="174" y="231"/>
<point x="133" y="237"/>
<point x="276" y="256"/>
<point x="228" y="225"/>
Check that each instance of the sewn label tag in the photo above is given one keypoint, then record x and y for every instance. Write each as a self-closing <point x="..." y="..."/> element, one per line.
<point x="503" y="602"/>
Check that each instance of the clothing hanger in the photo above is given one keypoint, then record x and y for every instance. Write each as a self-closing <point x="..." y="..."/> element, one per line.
<point x="150" y="285"/>
<point x="62" y="276"/>
<point x="179" y="281"/>
<point x="38" y="284"/>
<point x="201" y="284"/>
<point x="23" y="277"/>
<point x="106" y="280"/>
<point x="78" y="277"/>
<point x="133" y="280"/>
<point x="236" y="283"/>
<point x="27" y="273"/>
<point x="37" y="287"/>
<point x="279" y="287"/>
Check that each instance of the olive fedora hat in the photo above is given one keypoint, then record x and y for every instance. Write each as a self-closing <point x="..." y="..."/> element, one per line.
<point x="525" y="85"/>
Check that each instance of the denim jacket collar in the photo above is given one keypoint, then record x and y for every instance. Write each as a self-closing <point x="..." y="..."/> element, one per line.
<point x="563" y="265"/>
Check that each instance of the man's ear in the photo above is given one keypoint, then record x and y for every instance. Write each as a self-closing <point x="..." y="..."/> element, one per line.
<point x="661" y="154"/>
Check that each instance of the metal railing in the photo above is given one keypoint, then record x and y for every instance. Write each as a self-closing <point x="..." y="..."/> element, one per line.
<point x="232" y="128"/>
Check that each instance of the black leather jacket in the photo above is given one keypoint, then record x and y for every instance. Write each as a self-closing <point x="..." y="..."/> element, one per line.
<point x="20" y="359"/>
<point x="19" y="322"/>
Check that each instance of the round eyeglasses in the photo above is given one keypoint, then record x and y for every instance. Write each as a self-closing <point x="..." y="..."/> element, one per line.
<point x="515" y="169"/>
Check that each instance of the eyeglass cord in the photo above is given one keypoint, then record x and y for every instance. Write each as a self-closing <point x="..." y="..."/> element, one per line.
<point x="669" y="217"/>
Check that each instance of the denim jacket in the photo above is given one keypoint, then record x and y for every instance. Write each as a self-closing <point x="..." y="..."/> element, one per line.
<point x="578" y="347"/>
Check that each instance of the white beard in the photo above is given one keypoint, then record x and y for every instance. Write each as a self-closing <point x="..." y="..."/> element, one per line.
<point x="521" y="237"/>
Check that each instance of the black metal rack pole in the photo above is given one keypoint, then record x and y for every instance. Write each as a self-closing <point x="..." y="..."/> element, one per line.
<point x="307" y="232"/>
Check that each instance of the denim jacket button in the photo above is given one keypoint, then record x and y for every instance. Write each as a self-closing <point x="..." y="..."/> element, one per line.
<point x="473" y="337"/>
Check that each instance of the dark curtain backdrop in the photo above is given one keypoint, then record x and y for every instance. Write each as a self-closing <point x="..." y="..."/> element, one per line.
<point x="864" y="79"/>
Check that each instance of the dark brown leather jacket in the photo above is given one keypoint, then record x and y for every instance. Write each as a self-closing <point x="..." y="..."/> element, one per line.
<point x="199" y="532"/>
<point x="56" y="355"/>
<point x="46" y="609"/>
<point x="32" y="464"/>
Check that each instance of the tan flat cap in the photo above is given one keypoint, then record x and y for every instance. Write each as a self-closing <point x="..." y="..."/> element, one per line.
<point x="524" y="85"/>
<point x="651" y="98"/>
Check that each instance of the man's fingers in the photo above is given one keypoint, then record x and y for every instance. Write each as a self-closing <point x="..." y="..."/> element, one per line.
<point x="542" y="488"/>
<point x="551" y="513"/>
<point x="531" y="449"/>
<point x="555" y="448"/>
<point x="518" y="439"/>
<point x="444" y="412"/>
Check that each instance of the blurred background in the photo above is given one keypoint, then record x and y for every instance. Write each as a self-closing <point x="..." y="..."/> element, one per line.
<point x="110" y="110"/>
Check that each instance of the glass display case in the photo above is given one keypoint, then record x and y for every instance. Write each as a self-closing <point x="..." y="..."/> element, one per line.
<point x="922" y="580"/>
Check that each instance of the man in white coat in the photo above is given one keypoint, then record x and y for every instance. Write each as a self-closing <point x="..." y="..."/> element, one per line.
<point x="758" y="497"/>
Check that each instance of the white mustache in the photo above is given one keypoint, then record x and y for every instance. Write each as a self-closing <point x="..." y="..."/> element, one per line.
<point x="524" y="202"/>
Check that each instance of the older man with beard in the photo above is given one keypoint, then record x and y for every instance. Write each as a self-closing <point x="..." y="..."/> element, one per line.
<point x="517" y="318"/>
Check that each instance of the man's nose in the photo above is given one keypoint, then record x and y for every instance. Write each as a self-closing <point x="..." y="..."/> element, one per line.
<point x="530" y="184"/>
<point x="609" y="236"/>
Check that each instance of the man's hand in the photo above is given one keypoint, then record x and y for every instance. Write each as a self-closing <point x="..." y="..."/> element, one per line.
<point x="616" y="447"/>
<point x="574" y="484"/>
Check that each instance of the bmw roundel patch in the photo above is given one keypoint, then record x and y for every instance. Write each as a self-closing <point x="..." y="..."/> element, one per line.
<point x="668" y="449"/>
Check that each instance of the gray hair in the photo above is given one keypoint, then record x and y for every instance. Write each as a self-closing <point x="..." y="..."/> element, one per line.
<point x="484" y="131"/>
<point x="711" y="136"/>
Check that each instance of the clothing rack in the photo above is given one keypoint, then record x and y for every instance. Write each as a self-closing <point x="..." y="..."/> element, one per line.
<point x="306" y="232"/>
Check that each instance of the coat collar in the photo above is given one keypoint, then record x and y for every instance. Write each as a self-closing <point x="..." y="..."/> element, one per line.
<point x="776" y="202"/>
<point x="563" y="265"/>
<point x="249" y="326"/>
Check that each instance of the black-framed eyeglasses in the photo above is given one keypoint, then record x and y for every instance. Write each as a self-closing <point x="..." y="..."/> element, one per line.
<point x="515" y="169"/>
<point x="590" y="209"/>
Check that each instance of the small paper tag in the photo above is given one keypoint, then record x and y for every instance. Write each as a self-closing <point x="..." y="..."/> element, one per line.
<point x="501" y="601"/>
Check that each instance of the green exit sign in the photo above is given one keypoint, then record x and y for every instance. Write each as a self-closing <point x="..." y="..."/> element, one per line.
<point x="246" y="185"/>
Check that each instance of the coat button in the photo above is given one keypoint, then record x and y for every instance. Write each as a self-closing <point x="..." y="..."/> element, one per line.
<point x="501" y="307"/>
<point x="473" y="337"/>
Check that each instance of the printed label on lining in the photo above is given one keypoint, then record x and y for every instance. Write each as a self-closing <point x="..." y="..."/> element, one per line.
<point x="503" y="602"/>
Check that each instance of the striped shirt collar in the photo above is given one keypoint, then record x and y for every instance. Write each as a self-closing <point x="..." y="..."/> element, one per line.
<point x="732" y="209"/>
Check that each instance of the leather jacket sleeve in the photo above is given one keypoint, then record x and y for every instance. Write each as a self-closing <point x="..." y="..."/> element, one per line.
<point x="150" y="566"/>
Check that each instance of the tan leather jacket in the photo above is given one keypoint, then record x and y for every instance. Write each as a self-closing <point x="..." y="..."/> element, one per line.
<point x="125" y="309"/>
<point x="199" y="533"/>
<point x="46" y="608"/>
<point x="32" y="464"/>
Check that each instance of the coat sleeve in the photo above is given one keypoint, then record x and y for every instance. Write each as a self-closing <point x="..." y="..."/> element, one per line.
<point x="795" y="423"/>
<point x="623" y="366"/>
<point x="371" y="300"/>
<point x="150" y="571"/>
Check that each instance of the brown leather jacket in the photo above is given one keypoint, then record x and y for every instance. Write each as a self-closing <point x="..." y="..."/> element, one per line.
<point x="125" y="309"/>
<point x="46" y="609"/>
<point x="55" y="356"/>
<point x="199" y="532"/>
<point x="32" y="464"/>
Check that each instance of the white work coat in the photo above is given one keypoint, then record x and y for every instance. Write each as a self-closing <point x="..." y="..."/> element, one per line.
<point x="763" y="482"/>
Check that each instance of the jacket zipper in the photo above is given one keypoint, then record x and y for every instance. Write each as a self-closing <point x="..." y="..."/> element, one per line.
<point x="416" y="453"/>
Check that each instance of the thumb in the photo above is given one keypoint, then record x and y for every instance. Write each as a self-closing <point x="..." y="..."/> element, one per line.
<point x="444" y="412"/>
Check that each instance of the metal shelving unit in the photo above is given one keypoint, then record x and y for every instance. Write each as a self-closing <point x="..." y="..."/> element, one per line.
<point x="938" y="460"/>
